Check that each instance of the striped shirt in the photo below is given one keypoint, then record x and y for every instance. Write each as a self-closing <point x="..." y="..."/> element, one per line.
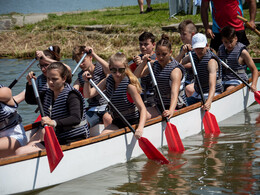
<point x="118" y="98"/>
<point x="231" y="60"/>
<point x="203" y="73"/>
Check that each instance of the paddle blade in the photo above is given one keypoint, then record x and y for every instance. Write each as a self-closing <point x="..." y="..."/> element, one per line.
<point x="53" y="149"/>
<point x="257" y="96"/>
<point x="210" y="123"/>
<point x="150" y="151"/>
<point x="173" y="139"/>
<point x="39" y="118"/>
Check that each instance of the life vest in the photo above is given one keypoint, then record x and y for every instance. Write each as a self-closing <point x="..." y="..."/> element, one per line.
<point x="59" y="110"/>
<point x="119" y="99"/>
<point x="8" y="116"/>
<point x="203" y="73"/>
<point x="98" y="76"/>
<point x="162" y="76"/>
<point x="231" y="59"/>
<point x="41" y="83"/>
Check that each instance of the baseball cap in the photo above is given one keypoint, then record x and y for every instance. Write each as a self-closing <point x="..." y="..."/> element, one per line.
<point x="199" y="40"/>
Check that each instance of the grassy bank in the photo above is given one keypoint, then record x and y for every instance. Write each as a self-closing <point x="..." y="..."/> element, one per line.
<point x="68" y="30"/>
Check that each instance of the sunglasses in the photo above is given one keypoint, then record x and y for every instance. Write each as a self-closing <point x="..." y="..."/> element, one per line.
<point x="120" y="70"/>
<point x="42" y="66"/>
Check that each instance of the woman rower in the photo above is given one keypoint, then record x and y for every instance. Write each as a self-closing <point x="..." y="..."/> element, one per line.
<point x="63" y="106"/>
<point x="170" y="76"/>
<point x="123" y="89"/>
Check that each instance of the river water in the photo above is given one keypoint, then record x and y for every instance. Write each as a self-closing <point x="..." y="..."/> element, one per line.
<point x="48" y="6"/>
<point x="227" y="164"/>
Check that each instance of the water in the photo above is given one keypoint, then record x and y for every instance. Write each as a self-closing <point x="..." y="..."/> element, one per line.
<point x="48" y="6"/>
<point x="228" y="164"/>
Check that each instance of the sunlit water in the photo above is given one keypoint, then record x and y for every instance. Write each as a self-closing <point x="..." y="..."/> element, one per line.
<point x="227" y="164"/>
<point x="47" y="6"/>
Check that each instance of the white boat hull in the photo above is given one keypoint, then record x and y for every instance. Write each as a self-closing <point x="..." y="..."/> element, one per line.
<point x="30" y="174"/>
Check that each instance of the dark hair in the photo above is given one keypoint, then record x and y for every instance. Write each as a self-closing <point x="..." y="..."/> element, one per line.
<point x="147" y="35"/>
<point x="228" y="32"/>
<point x="187" y="24"/>
<point x="164" y="41"/>
<point x="53" y="52"/>
<point x="77" y="51"/>
<point x="64" y="72"/>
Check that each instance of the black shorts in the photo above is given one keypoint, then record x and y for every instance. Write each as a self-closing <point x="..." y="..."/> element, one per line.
<point x="120" y="124"/>
<point x="241" y="37"/>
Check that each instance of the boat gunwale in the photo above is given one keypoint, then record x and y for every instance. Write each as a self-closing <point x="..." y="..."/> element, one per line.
<point x="99" y="138"/>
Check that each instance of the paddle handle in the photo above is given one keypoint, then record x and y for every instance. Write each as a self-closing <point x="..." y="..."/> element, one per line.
<point x="112" y="105"/>
<point x="35" y="90"/>
<point x="196" y="76"/>
<point x="156" y="87"/>
<point x="248" y="24"/>
<point x="227" y="66"/>
<point x="81" y="60"/>
<point x="20" y="76"/>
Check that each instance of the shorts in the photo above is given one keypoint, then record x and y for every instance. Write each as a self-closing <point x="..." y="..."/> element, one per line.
<point x="120" y="124"/>
<point x="95" y="117"/>
<point x="17" y="132"/>
<point x="232" y="82"/>
<point x="216" y="42"/>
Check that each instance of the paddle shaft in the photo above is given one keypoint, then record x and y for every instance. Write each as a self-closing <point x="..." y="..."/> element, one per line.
<point x="227" y="66"/>
<point x="81" y="60"/>
<point x="248" y="24"/>
<point x="156" y="87"/>
<point x="20" y="76"/>
<point x="196" y="77"/>
<point x="112" y="105"/>
<point x="37" y="97"/>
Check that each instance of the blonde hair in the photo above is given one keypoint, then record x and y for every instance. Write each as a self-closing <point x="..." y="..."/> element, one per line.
<point x="120" y="57"/>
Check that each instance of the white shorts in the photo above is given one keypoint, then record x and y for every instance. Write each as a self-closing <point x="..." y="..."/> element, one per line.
<point x="17" y="132"/>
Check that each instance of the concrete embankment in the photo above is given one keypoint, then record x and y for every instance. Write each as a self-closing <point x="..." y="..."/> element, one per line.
<point x="7" y="22"/>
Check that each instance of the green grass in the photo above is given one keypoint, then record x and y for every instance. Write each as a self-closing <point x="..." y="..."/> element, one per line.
<point x="121" y="16"/>
<point x="60" y="30"/>
<point x="116" y="16"/>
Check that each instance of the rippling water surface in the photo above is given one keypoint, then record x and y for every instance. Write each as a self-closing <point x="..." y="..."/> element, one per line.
<point x="227" y="164"/>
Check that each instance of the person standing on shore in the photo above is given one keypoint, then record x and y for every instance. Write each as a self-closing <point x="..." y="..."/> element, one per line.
<point x="224" y="13"/>
<point x="141" y="6"/>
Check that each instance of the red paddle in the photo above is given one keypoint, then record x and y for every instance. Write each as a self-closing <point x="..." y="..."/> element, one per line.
<point x="256" y="94"/>
<point x="209" y="120"/>
<point x="148" y="148"/>
<point x="53" y="149"/>
<point x="172" y="136"/>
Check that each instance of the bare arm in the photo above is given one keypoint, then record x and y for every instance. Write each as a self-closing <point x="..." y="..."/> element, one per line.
<point x="185" y="61"/>
<point x="6" y="96"/>
<point x="245" y="56"/>
<point x="142" y="70"/>
<point x="205" y="18"/>
<point x="252" y="12"/>
<point x="89" y="91"/>
<point x="176" y="76"/>
<point x="103" y="62"/>
<point x="141" y="107"/>
<point x="182" y="53"/>
<point x="20" y="97"/>
<point x="212" y="68"/>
